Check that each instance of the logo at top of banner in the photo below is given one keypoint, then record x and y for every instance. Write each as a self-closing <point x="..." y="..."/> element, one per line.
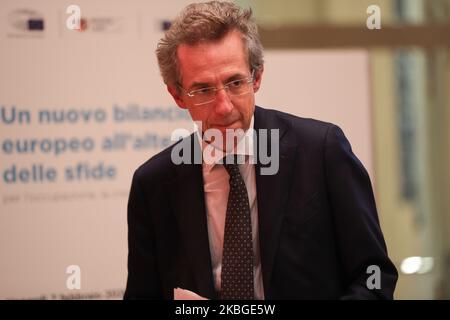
<point x="26" y="22"/>
<point x="101" y="24"/>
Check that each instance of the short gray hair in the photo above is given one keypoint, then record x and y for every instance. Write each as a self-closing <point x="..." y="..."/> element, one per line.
<point x="207" y="21"/>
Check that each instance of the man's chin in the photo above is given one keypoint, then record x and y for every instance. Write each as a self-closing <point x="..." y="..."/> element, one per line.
<point x="223" y="146"/>
<point x="234" y="126"/>
<point x="225" y="142"/>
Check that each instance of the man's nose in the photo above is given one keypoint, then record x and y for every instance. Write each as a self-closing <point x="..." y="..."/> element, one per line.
<point x="223" y="103"/>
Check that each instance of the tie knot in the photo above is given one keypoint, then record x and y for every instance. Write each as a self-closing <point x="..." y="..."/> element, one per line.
<point x="232" y="169"/>
<point x="231" y="164"/>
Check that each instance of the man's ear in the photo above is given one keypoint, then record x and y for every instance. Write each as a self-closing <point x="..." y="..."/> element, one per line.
<point x="258" y="78"/>
<point x="176" y="96"/>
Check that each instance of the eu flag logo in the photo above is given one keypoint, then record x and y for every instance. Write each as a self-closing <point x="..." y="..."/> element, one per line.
<point x="36" y="24"/>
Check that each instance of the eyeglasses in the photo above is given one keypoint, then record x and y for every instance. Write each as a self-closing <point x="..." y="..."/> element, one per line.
<point x="208" y="94"/>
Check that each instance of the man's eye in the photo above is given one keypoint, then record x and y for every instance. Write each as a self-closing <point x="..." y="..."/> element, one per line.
<point x="203" y="91"/>
<point x="236" y="83"/>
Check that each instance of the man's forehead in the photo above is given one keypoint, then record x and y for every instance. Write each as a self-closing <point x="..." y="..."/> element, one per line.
<point x="231" y="47"/>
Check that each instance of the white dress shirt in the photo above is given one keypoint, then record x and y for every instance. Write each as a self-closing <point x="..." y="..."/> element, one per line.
<point x="216" y="188"/>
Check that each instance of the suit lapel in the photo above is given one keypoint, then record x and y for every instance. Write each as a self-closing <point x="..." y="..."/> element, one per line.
<point x="192" y="224"/>
<point x="272" y="194"/>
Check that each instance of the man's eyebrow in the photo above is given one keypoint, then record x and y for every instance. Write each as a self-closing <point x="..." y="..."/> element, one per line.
<point x="236" y="76"/>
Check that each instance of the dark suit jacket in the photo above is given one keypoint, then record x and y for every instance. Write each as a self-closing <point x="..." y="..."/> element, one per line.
<point x="318" y="224"/>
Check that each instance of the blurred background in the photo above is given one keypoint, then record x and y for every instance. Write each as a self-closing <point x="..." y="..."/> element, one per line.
<point x="410" y="98"/>
<point x="389" y="88"/>
<point x="410" y="86"/>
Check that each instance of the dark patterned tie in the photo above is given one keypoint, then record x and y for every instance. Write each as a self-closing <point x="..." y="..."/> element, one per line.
<point x="237" y="258"/>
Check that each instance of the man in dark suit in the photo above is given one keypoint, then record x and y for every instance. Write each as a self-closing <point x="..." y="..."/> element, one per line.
<point x="312" y="226"/>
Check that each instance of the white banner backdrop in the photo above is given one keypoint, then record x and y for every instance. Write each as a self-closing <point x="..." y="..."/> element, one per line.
<point x="80" y="110"/>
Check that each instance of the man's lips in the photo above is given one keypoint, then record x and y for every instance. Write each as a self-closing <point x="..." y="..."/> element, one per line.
<point x="231" y="125"/>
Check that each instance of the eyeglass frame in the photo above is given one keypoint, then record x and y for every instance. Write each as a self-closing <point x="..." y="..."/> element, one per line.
<point x="225" y="87"/>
